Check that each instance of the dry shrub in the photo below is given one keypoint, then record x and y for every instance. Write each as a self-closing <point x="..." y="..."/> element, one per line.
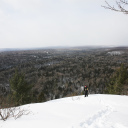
<point x="7" y="110"/>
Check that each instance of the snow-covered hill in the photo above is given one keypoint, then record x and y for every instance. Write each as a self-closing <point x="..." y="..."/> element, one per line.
<point x="95" y="111"/>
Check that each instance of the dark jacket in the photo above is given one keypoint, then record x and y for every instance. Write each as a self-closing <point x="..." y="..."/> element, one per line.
<point x="86" y="89"/>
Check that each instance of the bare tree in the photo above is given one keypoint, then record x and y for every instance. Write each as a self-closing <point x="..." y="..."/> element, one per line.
<point x="121" y="6"/>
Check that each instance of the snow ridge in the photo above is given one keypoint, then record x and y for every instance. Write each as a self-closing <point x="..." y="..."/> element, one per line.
<point x="95" y="111"/>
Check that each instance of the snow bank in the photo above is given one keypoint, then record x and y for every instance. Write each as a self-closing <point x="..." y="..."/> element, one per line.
<point x="95" y="111"/>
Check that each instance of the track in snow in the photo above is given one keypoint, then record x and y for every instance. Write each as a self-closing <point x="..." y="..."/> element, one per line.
<point x="99" y="119"/>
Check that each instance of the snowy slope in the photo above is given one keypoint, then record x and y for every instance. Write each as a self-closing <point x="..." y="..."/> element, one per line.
<point x="95" y="111"/>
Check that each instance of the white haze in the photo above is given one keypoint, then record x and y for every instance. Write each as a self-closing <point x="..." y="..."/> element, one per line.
<point x="42" y="23"/>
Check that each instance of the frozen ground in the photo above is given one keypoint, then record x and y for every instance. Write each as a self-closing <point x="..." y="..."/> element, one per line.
<point x="95" y="111"/>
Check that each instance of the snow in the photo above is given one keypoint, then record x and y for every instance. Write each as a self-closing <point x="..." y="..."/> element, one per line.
<point x="95" y="111"/>
<point x="116" y="52"/>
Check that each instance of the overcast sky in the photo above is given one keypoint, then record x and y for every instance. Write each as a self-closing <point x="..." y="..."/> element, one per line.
<point x="42" y="23"/>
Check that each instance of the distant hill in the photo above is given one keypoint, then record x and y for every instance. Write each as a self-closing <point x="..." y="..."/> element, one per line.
<point x="53" y="47"/>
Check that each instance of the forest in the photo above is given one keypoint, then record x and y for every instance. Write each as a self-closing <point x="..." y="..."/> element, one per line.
<point x="48" y="74"/>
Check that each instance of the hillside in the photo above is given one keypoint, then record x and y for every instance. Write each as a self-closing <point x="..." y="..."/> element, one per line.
<point x="57" y="73"/>
<point x="95" y="111"/>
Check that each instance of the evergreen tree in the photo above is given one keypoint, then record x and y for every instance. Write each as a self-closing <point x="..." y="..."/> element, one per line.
<point x="117" y="81"/>
<point x="41" y="97"/>
<point x="20" y="89"/>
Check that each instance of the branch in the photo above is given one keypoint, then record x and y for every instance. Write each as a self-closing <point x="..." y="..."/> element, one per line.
<point x="109" y="7"/>
<point x="119" y="4"/>
<point x="15" y="112"/>
<point x="124" y="1"/>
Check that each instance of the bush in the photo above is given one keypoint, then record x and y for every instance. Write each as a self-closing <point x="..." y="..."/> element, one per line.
<point x="7" y="111"/>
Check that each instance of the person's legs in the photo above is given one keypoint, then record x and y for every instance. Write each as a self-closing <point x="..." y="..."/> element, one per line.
<point x="85" y="93"/>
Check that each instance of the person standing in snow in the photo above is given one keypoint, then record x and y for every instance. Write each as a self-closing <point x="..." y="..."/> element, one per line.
<point x="86" y="90"/>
